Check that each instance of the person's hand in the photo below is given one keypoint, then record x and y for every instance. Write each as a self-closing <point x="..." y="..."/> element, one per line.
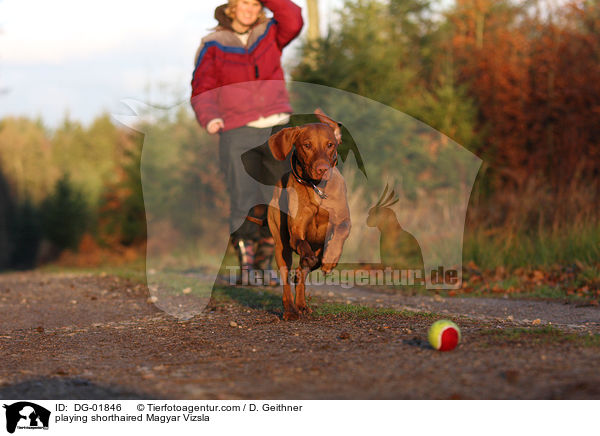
<point x="214" y="126"/>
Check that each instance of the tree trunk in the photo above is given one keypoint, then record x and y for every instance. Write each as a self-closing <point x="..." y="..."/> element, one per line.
<point x="313" y="20"/>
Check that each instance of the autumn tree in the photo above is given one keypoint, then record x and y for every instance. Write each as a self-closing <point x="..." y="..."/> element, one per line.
<point x="534" y="74"/>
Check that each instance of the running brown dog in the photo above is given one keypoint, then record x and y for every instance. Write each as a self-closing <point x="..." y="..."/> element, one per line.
<point x="313" y="194"/>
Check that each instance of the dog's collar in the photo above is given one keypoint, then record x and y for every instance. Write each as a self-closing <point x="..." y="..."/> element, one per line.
<point x="307" y="181"/>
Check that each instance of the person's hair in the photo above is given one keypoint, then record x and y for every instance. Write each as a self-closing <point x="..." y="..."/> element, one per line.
<point x="233" y="3"/>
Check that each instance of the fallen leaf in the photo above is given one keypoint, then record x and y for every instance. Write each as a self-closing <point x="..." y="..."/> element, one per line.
<point x="538" y="275"/>
<point x="475" y="279"/>
<point x="473" y="266"/>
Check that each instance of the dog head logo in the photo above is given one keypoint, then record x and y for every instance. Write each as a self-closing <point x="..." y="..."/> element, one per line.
<point x="417" y="224"/>
<point x="26" y="415"/>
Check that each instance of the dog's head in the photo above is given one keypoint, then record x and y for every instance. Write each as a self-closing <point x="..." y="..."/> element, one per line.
<point x="316" y="146"/>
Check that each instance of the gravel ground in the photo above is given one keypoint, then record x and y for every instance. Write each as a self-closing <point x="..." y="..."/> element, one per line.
<point x="71" y="336"/>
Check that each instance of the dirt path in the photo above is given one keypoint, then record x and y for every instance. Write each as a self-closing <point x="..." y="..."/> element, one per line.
<point x="78" y="336"/>
<point x="563" y="315"/>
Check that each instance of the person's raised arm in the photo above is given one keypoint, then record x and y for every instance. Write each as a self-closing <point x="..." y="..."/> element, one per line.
<point x="288" y="16"/>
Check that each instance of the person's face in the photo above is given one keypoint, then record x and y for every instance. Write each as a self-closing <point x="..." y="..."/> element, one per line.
<point x="246" y="12"/>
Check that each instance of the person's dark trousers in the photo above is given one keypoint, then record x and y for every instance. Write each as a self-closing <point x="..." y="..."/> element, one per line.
<point x="251" y="173"/>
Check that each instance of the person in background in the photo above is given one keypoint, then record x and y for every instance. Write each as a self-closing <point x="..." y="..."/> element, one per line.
<point x="245" y="49"/>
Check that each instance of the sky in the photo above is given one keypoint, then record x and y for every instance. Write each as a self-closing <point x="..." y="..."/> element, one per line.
<point x="79" y="58"/>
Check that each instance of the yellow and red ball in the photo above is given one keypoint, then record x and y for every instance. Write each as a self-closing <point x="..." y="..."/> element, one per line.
<point x="444" y="335"/>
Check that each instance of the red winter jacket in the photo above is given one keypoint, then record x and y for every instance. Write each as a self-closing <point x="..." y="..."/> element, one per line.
<point x="255" y="69"/>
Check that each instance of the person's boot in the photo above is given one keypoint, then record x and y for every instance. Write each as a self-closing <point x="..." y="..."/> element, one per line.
<point x="245" y="251"/>
<point x="264" y="259"/>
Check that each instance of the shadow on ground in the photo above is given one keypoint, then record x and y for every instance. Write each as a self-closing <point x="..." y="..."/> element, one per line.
<point x="253" y="298"/>
<point x="67" y="389"/>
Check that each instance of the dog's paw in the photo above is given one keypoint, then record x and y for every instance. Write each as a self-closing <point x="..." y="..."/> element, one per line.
<point x="328" y="267"/>
<point x="304" y="310"/>
<point x="291" y="316"/>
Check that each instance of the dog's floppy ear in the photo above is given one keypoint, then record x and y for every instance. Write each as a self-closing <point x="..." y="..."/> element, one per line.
<point x="331" y="123"/>
<point x="281" y="143"/>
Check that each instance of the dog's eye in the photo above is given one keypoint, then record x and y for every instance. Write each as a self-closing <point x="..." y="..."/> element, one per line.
<point x="330" y="145"/>
<point x="306" y="145"/>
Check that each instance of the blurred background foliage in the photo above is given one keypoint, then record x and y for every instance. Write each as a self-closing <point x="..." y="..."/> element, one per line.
<point x="515" y="82"/>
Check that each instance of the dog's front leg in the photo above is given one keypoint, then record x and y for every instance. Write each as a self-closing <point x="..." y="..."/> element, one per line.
<point x="338" y="231"/>
<point x="283" y="256"/>
<point x="333" y="249"/>
<point x="298" y="231"/>
<point x="301" y="274"/>
<point x="338" y="226"/>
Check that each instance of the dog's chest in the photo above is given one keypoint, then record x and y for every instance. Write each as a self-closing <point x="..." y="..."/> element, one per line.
<point x="300" y="197"/>
<point x="322" y="216"/>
